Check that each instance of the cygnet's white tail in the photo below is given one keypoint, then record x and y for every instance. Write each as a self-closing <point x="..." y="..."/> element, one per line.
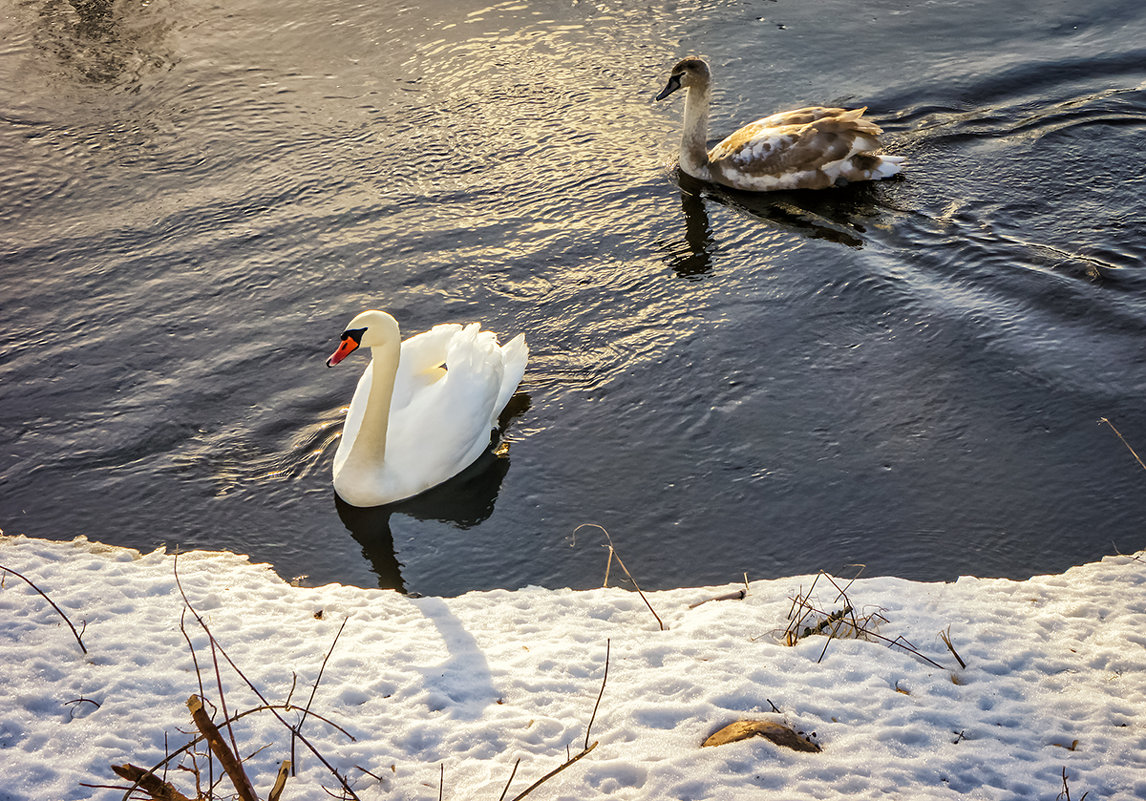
<point x="888" y="166"/>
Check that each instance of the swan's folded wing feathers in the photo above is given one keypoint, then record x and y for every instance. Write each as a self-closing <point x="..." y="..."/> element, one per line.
<point x="515" y="354"/>
<point x="428" y="349"/>
<point x="447" y="425"/>
<point x="476" y="366"/>
<point x="420" y="362"/>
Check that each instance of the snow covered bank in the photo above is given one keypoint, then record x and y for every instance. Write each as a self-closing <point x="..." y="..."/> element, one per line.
<point x="1055" y="677"/>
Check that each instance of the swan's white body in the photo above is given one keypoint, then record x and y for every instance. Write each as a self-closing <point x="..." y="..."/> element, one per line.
<point x="413" y="423"/>
<point x="809" y="148"/>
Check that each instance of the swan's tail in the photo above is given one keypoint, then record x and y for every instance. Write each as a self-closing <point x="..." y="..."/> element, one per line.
<point x="514" y="355"/>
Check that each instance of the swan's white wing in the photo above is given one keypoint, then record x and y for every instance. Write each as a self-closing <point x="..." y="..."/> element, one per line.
<point x="420" y="362"/>
<point x="446" y="423"/>
<point x="515" y="354"/>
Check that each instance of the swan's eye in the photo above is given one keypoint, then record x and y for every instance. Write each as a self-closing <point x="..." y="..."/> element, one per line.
<point x="353" y="333"/>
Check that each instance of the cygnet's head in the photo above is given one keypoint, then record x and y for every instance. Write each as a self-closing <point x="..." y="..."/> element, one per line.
<point x="688" y="72"/>
<point x="370" y="329"/>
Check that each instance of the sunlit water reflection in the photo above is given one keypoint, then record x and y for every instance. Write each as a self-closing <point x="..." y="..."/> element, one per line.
<point x="909" y="375"/>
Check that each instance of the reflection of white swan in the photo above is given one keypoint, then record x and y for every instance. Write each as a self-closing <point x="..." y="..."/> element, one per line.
<point x="810" y="148"/>
<point x="423" y="409"/>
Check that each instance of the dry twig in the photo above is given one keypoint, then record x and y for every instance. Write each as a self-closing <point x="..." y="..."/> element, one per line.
<point x="280" y="781"/>
<point x="946" y="637"/>
<point x="83" y="700"/>
<point x="841" y="623"/>
<point x="59" y="611"/>
<point x="149" y="783"/>
<point x="570" y="760"/>
<point x="553" y="773"/>
<point x="186" y="749"/>
<point x="215" y="645"/>
<point x="218" y="745"/>
<point x="605" y="678"/>
<point x="1064" y="795"/>
<point x="297" y="730"/>
<point x="612" y="553"/>
<point x="738" y="595"/>
<point x="1132" y="453"/>
<point x="511" y="775"/>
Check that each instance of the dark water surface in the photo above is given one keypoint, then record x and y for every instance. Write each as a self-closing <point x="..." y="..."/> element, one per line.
<point x="195" y="198"/>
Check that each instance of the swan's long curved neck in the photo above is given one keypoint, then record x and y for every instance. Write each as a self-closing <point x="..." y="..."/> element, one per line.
<point x="369" y="446"/>
<point x="693" y="152"/>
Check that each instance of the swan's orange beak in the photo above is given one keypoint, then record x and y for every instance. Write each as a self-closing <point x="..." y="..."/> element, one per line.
<point x="345" y="348"/>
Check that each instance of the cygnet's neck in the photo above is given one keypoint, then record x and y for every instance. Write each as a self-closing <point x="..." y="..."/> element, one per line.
<point x="693" y="150"/>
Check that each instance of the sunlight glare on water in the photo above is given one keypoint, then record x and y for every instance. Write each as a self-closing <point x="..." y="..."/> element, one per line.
<point x="910" y="375"/>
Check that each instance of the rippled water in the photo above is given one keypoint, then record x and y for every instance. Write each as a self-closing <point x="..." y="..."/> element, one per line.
<point x="194" y="200"/>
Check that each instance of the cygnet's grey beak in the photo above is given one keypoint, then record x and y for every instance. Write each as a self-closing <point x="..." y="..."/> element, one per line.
<point x="670" y="87"/>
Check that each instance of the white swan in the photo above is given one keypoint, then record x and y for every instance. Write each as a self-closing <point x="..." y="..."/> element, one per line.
<point x="423" y="409"/>
<point x="809" y="148"/>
